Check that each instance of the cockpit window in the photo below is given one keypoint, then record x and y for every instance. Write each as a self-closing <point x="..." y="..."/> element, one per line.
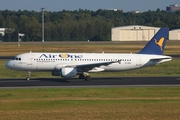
<point x="16" y="58"/>
<point x="13" y="58"/>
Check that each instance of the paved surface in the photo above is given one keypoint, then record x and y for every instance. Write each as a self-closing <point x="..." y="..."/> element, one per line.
<point x="95" y="82"/>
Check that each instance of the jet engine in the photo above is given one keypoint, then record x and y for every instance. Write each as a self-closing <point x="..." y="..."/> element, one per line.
<point x="66" y="72"/>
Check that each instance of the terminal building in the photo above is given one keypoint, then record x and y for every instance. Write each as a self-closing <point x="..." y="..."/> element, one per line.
<point x="139" y="33"/>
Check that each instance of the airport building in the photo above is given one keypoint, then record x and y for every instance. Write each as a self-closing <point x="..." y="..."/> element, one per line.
<point x="173" y="8"/>
<point x="133" y="33"/>
<point x="2" y="31"/>
<point x="174" y="34"/>
<point x="139" y="33"/>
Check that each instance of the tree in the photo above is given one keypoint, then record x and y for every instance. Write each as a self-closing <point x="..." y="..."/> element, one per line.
<point x="79" y="24"/>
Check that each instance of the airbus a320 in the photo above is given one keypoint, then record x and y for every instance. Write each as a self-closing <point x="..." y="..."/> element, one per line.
<point x="69" y="65"/>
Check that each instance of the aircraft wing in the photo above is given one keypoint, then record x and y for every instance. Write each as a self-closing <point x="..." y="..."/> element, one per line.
<point x="90" y="66"/>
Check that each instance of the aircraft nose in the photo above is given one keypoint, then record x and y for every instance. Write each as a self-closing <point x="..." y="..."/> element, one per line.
<point x="9" y="64"/>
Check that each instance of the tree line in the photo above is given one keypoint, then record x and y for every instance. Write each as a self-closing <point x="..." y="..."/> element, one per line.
<point x="78" y="25"/>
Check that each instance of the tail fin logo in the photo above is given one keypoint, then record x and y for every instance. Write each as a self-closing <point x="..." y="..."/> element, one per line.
<point x="160" y="42"/>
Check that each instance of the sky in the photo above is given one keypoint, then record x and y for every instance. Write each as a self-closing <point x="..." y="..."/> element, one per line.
<point x="59" y="5"/>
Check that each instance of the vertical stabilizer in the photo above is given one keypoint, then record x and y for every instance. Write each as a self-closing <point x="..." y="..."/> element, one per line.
<point x="157" y="43"/>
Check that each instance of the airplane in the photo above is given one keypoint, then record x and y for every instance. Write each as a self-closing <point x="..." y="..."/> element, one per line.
<point x="68" y="65"/>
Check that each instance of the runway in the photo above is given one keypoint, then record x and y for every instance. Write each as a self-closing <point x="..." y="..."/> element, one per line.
<point x="95" y="82"/>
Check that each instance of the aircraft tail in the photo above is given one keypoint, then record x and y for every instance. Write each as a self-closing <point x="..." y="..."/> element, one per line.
<point x="157" y="43"/>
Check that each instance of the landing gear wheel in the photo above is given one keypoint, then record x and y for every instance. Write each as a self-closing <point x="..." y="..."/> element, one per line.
<point x="87" y="78"/>
<point x="81" y="76"/>
<point x="28" y="78"/>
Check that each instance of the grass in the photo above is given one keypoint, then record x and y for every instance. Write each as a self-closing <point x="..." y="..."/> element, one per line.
<point x="91" y="103"/>
<point x="11" y="49"/>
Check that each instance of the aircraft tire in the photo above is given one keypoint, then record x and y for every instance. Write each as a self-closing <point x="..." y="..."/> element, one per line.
<point x="87" y="78"/>
<point x="81" y="76"/>
<point x="27" y="78"/>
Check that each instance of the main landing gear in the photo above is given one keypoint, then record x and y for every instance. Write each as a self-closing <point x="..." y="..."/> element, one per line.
<point x="28" y="75"/>
<point x="85" y="77"/>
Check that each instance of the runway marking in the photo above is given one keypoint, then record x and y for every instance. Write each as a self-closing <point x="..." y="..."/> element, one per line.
<point x="19" y="81"/>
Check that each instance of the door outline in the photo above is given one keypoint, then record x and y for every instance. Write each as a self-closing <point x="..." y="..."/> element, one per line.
<point x="29" y="60"/>
<point x="138" y="61"/>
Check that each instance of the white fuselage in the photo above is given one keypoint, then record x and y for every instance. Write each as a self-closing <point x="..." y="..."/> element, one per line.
<point x="54" y="61"/>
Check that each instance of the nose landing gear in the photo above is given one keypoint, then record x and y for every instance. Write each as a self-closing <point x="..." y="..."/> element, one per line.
<point x="28" y="75"/>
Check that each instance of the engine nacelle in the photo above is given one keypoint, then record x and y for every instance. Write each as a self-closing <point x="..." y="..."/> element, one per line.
<point x="68" y="72"/>
<point x="65" y="72"/>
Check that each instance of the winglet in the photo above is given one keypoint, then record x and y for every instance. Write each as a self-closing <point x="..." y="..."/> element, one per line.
<point x="157" y="43"/>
